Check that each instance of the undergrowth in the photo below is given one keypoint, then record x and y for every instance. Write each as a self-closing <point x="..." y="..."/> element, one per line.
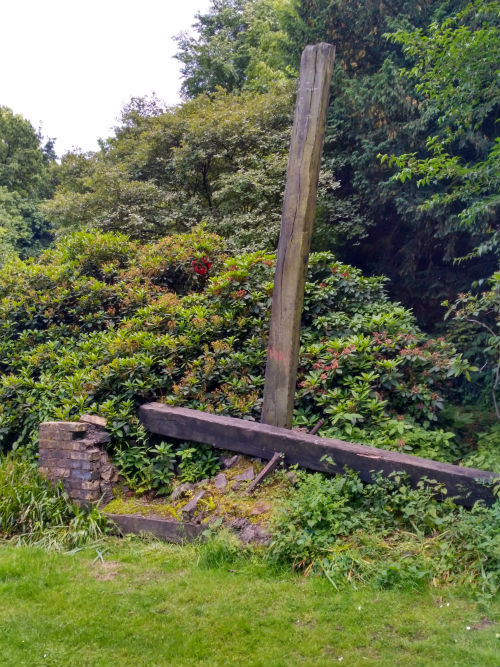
<point x="153" y="468"/>
<point x="37" y="513"/>
<point x="387" y="534"/>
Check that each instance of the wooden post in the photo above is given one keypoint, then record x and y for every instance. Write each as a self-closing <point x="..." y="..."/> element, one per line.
<point x="306" y="146"/>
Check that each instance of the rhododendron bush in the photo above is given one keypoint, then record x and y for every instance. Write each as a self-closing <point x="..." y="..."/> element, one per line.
<point x="102" y="324"/>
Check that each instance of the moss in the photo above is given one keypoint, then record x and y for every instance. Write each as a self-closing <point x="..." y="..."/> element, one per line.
<point x="226" y="504"/>
<point x="141" y="506"/>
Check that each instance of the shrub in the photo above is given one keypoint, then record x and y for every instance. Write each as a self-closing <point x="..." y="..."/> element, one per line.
<point x="101" y="324"/>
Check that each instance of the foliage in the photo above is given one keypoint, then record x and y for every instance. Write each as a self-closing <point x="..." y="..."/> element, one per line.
<point x="218" y="158"/>
<point x="24" y="179"/>
<point x="476" y="315"/>
<point x="487" y="454"/>
<point x="363" y="214"/>
<point x="457" y="68"/>
<point x="149" y="469"/>
<point x="197" y="462"/>
<point x="38" y="513"/>
<point x="94" y="326"/>
<point x="152" y="468"/>
<point x="22" y="160"/>
<point x="387" y="533"/>
<point x="239" y="45"/>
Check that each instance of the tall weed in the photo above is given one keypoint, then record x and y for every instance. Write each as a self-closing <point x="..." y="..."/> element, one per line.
<point x="37" y="512"/>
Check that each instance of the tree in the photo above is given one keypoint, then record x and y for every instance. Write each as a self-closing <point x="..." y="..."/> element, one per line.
<point x="24" y="179"/>
<point x="240" y="44"/>
<point x="218" y="159"/>
<point x="219" y="56"/>
<point x="457" y="67"/>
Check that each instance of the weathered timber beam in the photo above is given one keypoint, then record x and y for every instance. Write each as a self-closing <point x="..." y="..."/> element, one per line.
<point x="309" y="451"/>
<point x="297" y="217"/>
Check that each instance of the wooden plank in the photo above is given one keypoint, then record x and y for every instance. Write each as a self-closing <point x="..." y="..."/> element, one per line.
<point x="166" y="529"/>
<point x="267" y="470"/>
<point x="309" y="451"/>
<point x="299" y="202"/>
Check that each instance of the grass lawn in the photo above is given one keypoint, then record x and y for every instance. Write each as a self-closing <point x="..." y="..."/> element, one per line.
<point x="154" y="604"/>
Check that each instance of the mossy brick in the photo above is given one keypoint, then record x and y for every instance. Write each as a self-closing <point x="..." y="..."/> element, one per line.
<point x="54" y="473"/>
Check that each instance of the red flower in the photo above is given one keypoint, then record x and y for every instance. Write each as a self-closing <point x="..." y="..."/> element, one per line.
<point x="202" y="266"/>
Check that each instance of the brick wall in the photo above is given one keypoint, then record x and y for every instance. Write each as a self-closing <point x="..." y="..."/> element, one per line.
<point x="74" y="453"/>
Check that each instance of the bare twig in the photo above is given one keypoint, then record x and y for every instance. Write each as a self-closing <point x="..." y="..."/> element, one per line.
<point x="482" y="324"/>
<point x="495" y="385"/>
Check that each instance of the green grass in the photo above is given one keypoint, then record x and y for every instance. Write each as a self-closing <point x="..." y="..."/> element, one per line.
<point x="155" y="604"/>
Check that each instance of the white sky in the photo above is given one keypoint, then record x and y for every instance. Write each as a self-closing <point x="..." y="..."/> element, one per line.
<point x="71" y="66"/>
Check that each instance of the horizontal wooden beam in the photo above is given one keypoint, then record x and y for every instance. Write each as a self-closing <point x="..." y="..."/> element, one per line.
<point x="310" y="451"/>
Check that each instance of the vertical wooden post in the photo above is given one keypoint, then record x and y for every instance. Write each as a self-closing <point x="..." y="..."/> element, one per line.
<point x="306" y="146"/>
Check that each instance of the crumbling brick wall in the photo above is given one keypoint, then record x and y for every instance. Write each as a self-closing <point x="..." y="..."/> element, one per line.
<point x="73" y="452"/>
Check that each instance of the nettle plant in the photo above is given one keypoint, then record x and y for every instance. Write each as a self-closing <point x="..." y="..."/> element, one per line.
<point x="101" y="324"/>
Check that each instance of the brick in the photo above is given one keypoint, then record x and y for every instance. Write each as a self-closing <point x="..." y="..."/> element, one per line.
<point x="98" y="437"/>
<point x="53" y="455"/>
<point x="75" y="446"/>
<point x="91" y="486"/>
<point x="60" y="427"/>
<point x="109" y="472"/>
<point x="85" y="465"/>
<point x="54" y="464"/>
<point x="87" y="475"/>
<point x="72" y="484"/>
<point x="94" y="419"/>
<point x="61" y="460"/>
<point x="88" y="455"/>
<point x="54" y="473"/>
<point x="63" y="436"/>
<point x="85" y="496"/>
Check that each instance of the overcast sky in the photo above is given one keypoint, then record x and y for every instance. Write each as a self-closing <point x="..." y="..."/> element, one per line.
<point x="71" y="66"/>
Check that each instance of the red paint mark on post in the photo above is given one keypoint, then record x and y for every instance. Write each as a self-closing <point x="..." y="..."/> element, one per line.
<point x="279" y="356"/>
